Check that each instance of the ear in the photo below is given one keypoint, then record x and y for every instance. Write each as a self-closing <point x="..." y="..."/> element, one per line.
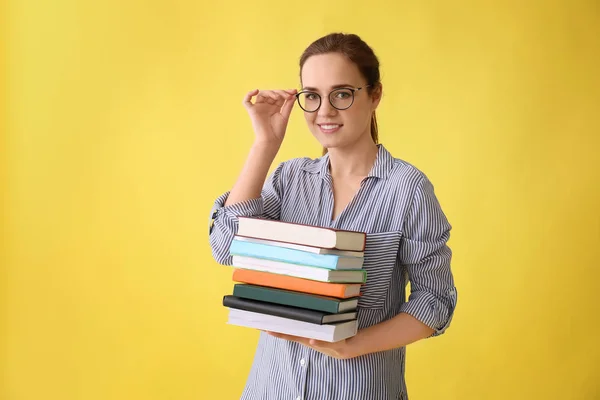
<point x="376" y="95"/>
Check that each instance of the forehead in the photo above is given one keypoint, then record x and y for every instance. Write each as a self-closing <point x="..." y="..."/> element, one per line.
<point x="325" y="71"/>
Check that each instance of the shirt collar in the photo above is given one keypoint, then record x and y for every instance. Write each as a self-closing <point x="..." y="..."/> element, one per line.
<point x="381" y="168"/>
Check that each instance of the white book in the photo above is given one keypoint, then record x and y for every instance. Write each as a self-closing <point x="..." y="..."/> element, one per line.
<point x="327" y="332"/>
<point x="308" y="235"/>
<point x="309" y="249"/>
<point x="300" y="271"/>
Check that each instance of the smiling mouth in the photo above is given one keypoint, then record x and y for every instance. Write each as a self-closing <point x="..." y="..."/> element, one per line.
<point x="329" y="128"/>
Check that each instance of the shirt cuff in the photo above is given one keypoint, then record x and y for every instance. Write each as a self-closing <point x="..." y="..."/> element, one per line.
<point x="434" y="312"/>
<point x="246" y="208"/>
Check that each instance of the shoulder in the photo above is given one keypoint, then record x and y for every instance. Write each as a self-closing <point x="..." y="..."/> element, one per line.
<point x="294" y="167"/>
<point x="403" y="169"/>
<point x="303" y="162"/>
<point x="410" y="184"/>
<point x="404" y="174"/>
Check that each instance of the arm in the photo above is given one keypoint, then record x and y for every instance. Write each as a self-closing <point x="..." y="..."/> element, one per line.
<point x="430" y="306"/>
<point x="432" y="301"/>
<point x="399" y="331"/>
<point x="250" y="196"/>
<point x="252" y="178"/>
<point x="426" y="254"/>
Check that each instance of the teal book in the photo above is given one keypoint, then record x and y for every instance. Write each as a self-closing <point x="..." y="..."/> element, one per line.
<point x="293" y="256"/>
<point x="295" y="299"/>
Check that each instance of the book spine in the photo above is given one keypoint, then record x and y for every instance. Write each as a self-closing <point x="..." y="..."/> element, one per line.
<point x="286" y="298"/>
<point x="298" y="314"/>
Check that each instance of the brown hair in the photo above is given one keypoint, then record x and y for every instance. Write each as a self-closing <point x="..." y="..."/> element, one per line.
<point x="357" y="51"/>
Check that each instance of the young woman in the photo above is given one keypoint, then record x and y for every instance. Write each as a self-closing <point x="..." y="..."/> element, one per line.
<point x="356" y="185"/>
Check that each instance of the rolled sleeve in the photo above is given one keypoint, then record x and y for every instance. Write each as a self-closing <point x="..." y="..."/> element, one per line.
<point x="425" y="253"/>
<point x="223" y="219"/>
<point x="249" y="208"/>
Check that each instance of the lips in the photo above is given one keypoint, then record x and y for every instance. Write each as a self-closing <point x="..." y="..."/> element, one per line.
<point x="329" y="128"/>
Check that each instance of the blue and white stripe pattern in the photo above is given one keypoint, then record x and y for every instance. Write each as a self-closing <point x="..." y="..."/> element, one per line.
<point x="407" y="235"/>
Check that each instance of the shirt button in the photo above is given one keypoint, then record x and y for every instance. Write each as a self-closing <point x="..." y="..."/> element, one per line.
<point x="302" y="362"/>
<point x="299" y="398"/>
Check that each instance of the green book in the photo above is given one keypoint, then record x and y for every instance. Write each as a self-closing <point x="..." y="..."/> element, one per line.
<point x="296" y="299"/>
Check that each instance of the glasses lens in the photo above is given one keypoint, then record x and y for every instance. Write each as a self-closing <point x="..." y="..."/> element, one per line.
<point x="342" y="98"/>
<point x="309" y="101"/>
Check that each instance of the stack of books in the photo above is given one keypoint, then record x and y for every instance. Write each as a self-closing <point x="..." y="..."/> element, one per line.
<point x="295" y="279"/>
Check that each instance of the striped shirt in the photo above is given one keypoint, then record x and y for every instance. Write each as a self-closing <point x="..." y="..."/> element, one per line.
<point x="407" y="235"/>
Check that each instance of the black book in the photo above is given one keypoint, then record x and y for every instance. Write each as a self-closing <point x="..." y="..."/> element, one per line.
<point x="279" y="310"/>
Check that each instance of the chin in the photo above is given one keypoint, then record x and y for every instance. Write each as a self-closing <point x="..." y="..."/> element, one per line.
<point x="330" y="143"/>
<point x="333" y="142"/>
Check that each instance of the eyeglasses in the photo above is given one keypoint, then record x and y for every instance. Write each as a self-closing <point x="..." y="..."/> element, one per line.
<point x="340" y="99"/>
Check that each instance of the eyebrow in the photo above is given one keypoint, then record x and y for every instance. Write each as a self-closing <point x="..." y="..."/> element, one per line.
<point x="343" y="85"/>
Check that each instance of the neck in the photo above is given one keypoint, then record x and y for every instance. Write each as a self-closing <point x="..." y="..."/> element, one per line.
<point x="353" y="161"/>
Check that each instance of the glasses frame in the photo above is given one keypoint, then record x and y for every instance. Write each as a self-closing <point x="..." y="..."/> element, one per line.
<point x="352" y="89"/>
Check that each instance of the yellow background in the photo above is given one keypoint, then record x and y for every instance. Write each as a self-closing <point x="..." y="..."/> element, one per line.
<point x="124" y="121"/>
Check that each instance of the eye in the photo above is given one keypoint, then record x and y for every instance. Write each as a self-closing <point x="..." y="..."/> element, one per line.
<point x="344" y="94"/>
<point x="310" y="96"/>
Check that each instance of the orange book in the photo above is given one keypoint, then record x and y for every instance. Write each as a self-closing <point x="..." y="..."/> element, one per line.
<point x="339" y="290"/>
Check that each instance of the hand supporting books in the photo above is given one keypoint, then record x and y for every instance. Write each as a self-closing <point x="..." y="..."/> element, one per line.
<point x="341" y="350"/>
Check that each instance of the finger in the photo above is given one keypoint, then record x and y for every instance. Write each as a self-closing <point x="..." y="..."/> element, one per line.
<point x="261" y="96"/>
<point x="286" y="109"/>
<point x="277" y="97"/>
<point x="291" y="338"/>
<point x="265" y="96"/>
<point x="248" y="98"/>
<point x="320" y="343"/>
<point x="283" y="336"/>
<point x="282" y="94"/>
<point x="288" y="94"/>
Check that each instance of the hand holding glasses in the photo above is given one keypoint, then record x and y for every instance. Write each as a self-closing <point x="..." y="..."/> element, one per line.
<point x="271" y="110"/>
<point x="270" y="114"/>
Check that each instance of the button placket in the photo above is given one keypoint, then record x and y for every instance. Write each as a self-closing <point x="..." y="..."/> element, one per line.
<point x="303" y="365"/>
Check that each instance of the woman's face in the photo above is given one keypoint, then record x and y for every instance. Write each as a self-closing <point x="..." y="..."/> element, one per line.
<point x="322" y="74"/>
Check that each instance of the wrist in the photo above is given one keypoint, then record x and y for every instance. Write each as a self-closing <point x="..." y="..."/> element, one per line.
<point x="265" y="147"/>
<point x="355" y="345"/>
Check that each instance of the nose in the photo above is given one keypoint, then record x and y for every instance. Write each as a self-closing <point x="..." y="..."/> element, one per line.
<point x="326" y="109"/>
